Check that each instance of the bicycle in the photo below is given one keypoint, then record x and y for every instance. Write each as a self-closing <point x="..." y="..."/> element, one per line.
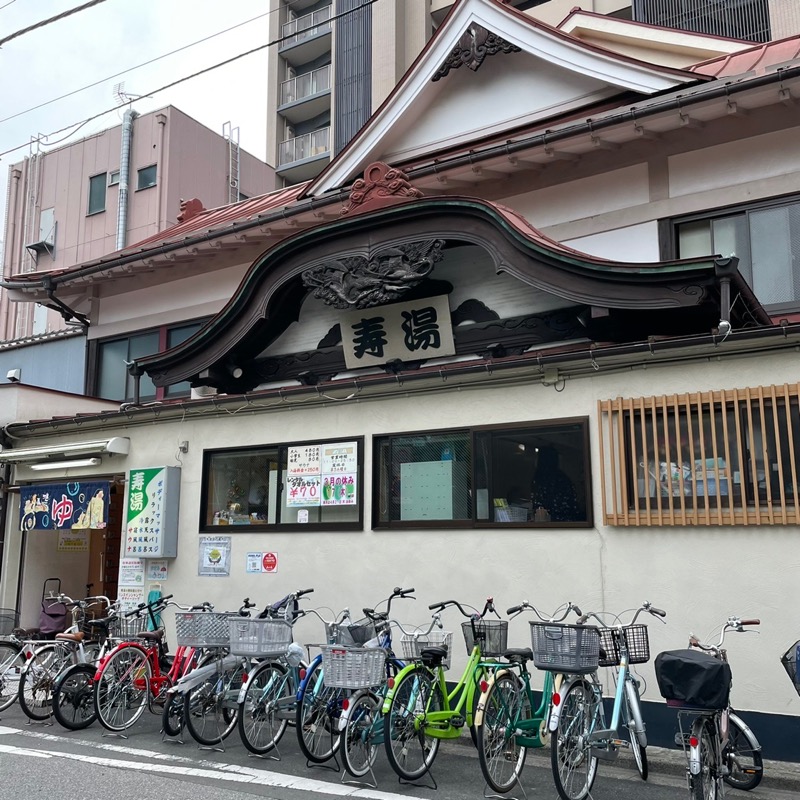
<point x="367" y="670"/>
<point x="47" y="659"/>
<point x="205" y="700"/>
<point x="720" y="747"/>
<point x="507" y="724"/>
<point x="138" y="673"/>
<point x="418" y="709"/>
<point x="577" y="719"/>
<point x="267" y="700"/>
<point x="12" y="657"/>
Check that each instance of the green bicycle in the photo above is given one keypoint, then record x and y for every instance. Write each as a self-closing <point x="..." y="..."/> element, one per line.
<point x="418" y="709"/>
<point x="505" y="720"/>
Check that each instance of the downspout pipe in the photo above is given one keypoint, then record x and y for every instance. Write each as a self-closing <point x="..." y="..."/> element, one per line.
<point x="124" y="171"/>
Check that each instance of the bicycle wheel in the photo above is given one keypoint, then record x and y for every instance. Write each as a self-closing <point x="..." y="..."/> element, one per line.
<point x="742" y="755"/>
<point x="317" y="718"/>
<point x="630" y="714"/>
<point x="359" y="747"/>
<point x="172" y="720"/>
<point x="73" y="697"/>
<point x="262" y="717"/>
<point x="123" y="687"/>
<point x="38" y="678"/>
<point x="409" y="750"/>
<point x="500" y="755"/>
<point x="574" y="767"/>
<point x="210" y="708"/>
<point x="12" y="660"/>
<point x="704" y="785"/>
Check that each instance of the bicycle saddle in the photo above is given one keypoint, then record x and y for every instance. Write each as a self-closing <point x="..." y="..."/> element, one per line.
<point x="518" y="655"/>
<point x="70" y="637"/>
<point x="432" y="656"/>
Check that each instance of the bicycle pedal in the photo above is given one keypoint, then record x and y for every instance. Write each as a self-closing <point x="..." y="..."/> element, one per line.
<point x="457" y="722"/>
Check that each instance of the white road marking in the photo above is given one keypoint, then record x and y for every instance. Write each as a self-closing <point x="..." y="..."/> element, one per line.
<point x="199" y="768"/>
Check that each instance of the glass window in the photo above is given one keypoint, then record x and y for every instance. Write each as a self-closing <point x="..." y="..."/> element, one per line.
<point x="526" y="475"/>
<point x="97" y="193"/>
<point x="315" y="484"/>
<point x="146" y="177"/>
<point x="765" y="239"/>
<point x="113" y="178"/>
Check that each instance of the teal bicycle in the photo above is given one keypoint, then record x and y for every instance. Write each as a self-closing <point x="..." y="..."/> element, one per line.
<point x="509" y="720"/>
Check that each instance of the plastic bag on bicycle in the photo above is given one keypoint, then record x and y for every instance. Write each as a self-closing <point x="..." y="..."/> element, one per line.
<point x="691" y="678"/>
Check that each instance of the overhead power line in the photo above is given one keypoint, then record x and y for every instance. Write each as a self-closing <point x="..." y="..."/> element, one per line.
<point x="44" y="22"/>
<point x="78" y="125"/>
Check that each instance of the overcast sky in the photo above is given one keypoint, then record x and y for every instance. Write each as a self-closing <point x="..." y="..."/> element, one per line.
<point x="114" y="36"/>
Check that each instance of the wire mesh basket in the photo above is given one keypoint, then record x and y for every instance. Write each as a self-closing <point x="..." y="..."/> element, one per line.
<point x="122" y="627"/>
<point x="490" y="634"/>
<point x="412" y="645"/>
<point x="565" y="648"/>
<point x="350" y="634"/>
<point x="259" y="637"/>
<point x="9" y="619"/>
<point x="791" y="663"/>
<point x="203" y="628"/>
<point x="637" y="641"/>
<point x="353" y="667"/>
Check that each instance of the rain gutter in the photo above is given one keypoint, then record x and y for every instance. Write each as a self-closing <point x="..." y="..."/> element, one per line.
<point x="680" y="102"/>
<point x="589" y="360"/>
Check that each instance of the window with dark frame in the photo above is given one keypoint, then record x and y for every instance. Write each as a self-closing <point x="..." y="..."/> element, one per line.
<point x="524" y="475"/>
<point x="296" y="485"/>
<point x="114" y="382"/>
<point x="765" y="237"/>
<point x="97" y="194"/>
<point x="146" y="177"/>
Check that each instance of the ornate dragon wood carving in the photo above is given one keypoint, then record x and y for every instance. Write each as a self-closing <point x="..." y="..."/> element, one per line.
<point x="474" y="45"/>
<point x="383" y="277"/>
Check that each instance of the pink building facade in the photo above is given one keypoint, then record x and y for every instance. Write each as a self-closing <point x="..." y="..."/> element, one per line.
<point x="67" y="205"/>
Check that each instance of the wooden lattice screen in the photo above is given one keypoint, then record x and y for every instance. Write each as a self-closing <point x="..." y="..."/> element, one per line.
<point x="712" y="458"/>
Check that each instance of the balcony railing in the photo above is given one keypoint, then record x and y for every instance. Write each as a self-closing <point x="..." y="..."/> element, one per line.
<point x="318" y="80"/>
<point x="303" y="27"/>
<point x="306" y="146"/>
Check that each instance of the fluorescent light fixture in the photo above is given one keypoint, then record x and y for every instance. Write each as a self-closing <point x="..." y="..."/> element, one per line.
<point x="115" y="445"/>
<point x="76" y="462"/>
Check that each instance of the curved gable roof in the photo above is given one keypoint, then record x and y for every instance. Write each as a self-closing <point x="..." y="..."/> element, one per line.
<point x="434" y="105"/>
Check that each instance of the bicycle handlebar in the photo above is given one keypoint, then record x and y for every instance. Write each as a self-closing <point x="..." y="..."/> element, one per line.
<point x="514" y="610"/>
<point x="444" y="603"/>
<point x="731" y="624"/>
<point x="646" y="606"/>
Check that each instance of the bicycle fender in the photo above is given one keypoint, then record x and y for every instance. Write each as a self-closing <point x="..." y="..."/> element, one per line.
<point x="387" y="701"/>
<point x="755" y="745"/>
<point x="555" y="710"/>
<point x="695" y="763"/>
<point x="481" y="706"/>
<point x="301" y="689"/>
<point x="636" y="713"/>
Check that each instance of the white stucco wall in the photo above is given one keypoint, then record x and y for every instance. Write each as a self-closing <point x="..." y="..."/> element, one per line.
<point x="699" y="575"/>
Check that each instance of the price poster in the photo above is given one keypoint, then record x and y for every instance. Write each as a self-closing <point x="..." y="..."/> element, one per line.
<point x="303" y="490"/>
<point x="303" y="460"/>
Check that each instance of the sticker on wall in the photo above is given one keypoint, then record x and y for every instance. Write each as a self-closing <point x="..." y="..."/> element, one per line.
<point x="214" y="556"/>
<point x="157" y="569"/>
<point x="253" y="562"/>
<point x="73" y="541"/>
<point x="131" y="572"/>
<point x="269" y="562"/>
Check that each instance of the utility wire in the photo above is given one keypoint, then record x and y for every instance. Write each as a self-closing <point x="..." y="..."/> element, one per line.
<point x="138" y="66"/>
<point x="44" y="22"/>
<point x="7" y="4"/>
<point x="150" y="94"/>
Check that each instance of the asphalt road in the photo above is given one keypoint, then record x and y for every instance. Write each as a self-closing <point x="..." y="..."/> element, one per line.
<point x="47" y="761"/>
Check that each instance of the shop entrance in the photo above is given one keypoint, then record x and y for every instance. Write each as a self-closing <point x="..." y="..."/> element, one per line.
<point x="76" y="556"/>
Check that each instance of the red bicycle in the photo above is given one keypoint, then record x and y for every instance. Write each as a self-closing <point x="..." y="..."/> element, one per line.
<point x="138" y="673"/>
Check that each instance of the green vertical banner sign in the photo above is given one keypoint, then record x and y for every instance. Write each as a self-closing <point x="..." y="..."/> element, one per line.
<point x="151" y="512"/>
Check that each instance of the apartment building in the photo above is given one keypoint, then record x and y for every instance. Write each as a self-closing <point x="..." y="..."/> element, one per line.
<point x="94" y="196"/>
<point x="336" y="62"/>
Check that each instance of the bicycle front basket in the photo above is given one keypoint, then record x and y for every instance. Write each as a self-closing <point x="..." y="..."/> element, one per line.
<point x="203" y="628"/>
<point x="636" y="638"/>
<point x="9" y="619"/>
<point x="790" y="660"/>
<point x="490" y="634"/>
<point x="350" y="634"/>
<point x="413" y="645"/>
<point x="259" y="637"/>
<point x="565" y="648"/>
<point x="353" y="667"/>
